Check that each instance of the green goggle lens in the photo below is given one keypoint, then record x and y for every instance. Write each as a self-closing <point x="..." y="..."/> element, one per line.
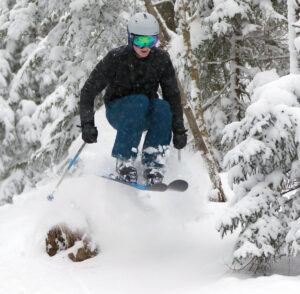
<point x="145" y="41"/>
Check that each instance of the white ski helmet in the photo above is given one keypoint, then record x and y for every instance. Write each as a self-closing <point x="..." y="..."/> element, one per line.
<point x="143" y="24"/>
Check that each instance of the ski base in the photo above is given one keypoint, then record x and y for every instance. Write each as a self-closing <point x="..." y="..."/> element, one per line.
<point x="176" y="185"/>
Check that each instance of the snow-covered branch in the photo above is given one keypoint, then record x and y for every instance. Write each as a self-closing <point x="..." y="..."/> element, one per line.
<point x="164" y="25"/>
<point x="193" y="17"/>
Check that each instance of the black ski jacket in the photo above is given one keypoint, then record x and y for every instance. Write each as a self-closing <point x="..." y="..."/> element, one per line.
<point x="122" y="73"/>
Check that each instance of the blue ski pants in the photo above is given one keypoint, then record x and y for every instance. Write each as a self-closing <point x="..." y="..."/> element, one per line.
<point x="131" y="116"/>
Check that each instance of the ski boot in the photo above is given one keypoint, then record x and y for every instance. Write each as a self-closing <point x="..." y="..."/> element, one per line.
<point x="153" y="175"/>
<point x="126" y="171"/>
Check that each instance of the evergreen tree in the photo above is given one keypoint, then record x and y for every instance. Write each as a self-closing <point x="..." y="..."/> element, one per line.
<point x="294" y="35"/>
<point x="263" y="162"/>
<point x="243" y="37"/>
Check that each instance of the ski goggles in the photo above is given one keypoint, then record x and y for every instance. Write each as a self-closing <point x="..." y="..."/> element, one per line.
<point x="145" y="41"/>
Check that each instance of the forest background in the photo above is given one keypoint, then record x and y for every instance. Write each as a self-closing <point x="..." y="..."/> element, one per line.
<point x="224" y="53"/>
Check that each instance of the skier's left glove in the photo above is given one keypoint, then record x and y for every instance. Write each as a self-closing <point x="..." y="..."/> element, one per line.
<point x="89" y="133"/>
<point x="179" y="138"/>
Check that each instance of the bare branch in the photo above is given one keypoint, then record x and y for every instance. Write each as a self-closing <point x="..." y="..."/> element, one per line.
<point x="67" y="29"/>
<point x="217" y="62"/>
<point x="160" y="2"/>
<point x="213" y="99"/>
<point x="254" y="58"/>
<point x="163" y="24"/>
<point x="267" y="58"/>
<point x="97" y="38"/>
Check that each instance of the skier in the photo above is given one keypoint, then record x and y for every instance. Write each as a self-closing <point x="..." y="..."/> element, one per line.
<point x="131" y="75"/>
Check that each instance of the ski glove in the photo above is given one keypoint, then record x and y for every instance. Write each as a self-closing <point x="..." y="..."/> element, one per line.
<point x="179" y="138"/>
<point x="89" y="133"/>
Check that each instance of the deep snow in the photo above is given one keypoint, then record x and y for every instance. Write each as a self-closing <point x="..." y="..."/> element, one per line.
<point x="150" y="242"/>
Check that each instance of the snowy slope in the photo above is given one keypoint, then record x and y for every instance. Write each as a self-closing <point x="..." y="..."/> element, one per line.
<point x="150" y="242"/>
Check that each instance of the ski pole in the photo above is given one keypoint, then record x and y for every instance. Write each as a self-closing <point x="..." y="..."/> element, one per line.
<point x="50" y="197"/>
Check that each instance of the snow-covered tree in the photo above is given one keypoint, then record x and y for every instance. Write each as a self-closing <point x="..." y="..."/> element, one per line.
<point x="263" y="162"/>
<point x="294" y="35"/>
<point x="242" y="37"/>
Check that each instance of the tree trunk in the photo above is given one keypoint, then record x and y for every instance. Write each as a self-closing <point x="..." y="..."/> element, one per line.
<point x="235" y="65"/>
<point x="164" y="36"/>
<point x="201" y="146"/>
<point x="60" y="237"/>
<point x="199" y="131"/>
<point x="196" y="100"/>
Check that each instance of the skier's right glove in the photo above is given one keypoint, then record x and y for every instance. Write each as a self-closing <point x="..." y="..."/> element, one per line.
<point x="89" y="133"/>
<point x="179" y="138"/>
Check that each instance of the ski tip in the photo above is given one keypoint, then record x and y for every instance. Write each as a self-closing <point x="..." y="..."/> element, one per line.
<point x="178" y="185"/>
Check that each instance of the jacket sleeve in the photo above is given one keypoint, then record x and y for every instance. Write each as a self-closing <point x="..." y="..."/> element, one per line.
<point x="171" y="94"/>
<point x="96" y="82"/>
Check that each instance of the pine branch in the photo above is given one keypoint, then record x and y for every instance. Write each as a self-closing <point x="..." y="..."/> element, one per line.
<point x="290" y="190"/>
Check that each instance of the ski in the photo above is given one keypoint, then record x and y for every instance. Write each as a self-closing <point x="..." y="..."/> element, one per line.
<point x="176" y="185"/>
